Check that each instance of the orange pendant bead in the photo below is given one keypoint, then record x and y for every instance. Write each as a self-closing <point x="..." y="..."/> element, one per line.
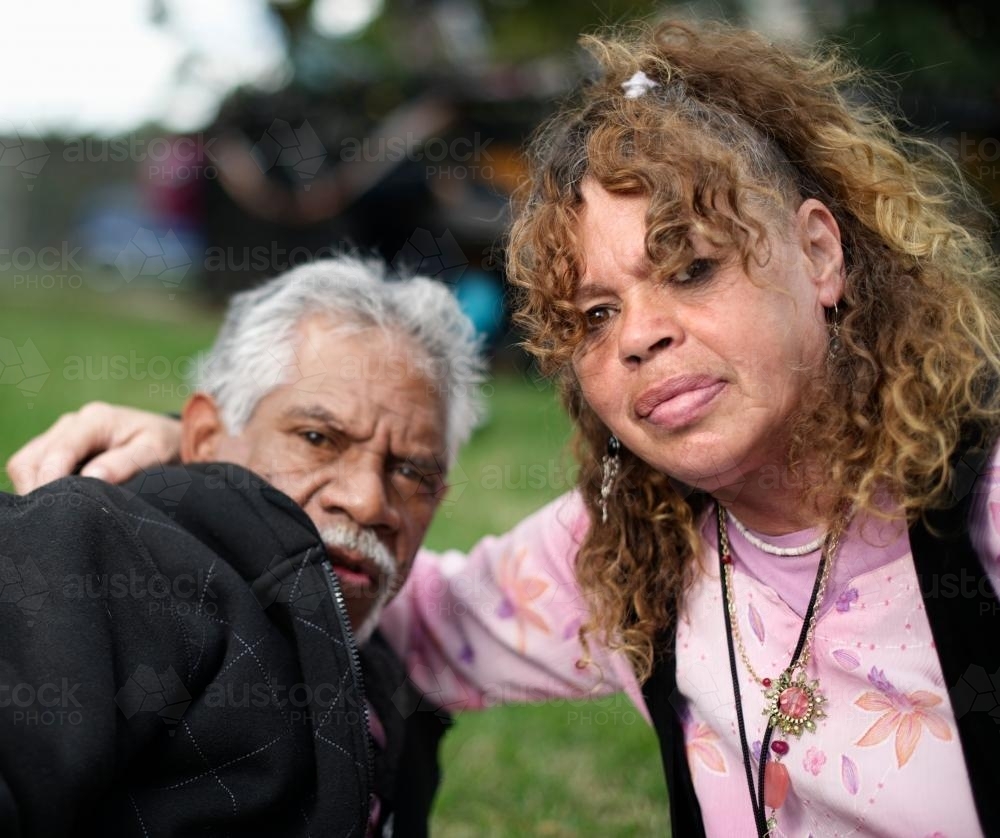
<point x="776" y="785"/>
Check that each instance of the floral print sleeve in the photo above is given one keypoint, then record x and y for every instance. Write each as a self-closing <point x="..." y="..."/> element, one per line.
<point x="501" y="624"/>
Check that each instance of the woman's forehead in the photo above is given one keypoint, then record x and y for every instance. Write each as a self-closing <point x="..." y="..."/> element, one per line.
<point x="606" y="215"/>
<point x="612" y="227"/>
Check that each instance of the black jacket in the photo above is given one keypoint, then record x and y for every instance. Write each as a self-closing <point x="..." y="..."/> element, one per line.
<point x="175" y="659"/>
<point x="407" y="774"/>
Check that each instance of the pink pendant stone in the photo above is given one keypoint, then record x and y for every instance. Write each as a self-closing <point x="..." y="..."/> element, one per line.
<point x="794" y="702"/>
<point x="776" y="784"/>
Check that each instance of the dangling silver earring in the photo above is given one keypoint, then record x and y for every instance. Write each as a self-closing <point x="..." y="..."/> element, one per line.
<point x="833" y="351"/>
<point x="610" y="463"/>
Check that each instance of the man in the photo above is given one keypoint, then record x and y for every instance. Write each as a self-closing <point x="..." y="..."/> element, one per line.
<point x="198" y="629"/>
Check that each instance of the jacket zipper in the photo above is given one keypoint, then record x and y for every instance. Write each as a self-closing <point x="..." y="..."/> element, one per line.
<point x="355" y="656"/>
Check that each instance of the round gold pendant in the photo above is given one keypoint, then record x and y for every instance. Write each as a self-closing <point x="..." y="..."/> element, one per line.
<point x="793" y="703"/>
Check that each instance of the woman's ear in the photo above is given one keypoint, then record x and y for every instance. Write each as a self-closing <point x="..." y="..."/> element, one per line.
<point x="819" y="236"/>
<point x="202" y="430"/>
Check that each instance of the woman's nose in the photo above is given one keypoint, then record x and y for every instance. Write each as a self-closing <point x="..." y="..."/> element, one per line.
<point x="645" y="327"/>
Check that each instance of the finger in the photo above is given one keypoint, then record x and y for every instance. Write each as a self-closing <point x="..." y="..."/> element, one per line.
<point x="120" y="464"/>
<point x="42" y="466"/>
<point x="24" y="467"/>
<point x="58" y="452"/>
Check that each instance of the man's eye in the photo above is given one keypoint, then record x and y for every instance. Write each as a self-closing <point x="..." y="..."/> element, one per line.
<point x="419" y="480"/>
<point x="314" y="438"/>
<point x="409" y="472"/>
<point x="697" y="271"/>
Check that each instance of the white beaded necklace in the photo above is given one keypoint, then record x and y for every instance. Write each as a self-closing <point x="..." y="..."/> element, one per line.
<point x="773" y="549"/>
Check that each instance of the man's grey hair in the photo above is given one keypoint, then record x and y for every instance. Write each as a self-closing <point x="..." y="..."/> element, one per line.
<point x="255" y="350"/>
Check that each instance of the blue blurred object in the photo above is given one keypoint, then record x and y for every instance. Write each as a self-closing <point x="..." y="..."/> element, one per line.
<point x="480" y="294"/>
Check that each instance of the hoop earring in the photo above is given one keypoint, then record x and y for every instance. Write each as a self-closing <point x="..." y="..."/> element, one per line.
<point x="610" y="464"/>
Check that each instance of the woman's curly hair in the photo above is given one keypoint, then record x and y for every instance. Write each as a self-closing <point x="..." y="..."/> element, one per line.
<point x="736" y="131"/>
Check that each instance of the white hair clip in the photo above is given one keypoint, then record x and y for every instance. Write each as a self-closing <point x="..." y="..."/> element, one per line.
<point x="638" y="85"/>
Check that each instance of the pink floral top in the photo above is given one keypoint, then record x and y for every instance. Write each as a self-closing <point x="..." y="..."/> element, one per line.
<point x="500" y="626"/>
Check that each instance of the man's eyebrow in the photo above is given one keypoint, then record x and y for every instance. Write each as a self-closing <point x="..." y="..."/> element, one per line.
<point x="316" y="413"/>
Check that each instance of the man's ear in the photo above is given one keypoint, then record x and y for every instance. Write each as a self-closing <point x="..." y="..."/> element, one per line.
<point x="821" y="246"/>
<point x="202" y="430"/>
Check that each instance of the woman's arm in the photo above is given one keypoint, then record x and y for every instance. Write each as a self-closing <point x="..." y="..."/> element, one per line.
<point x="501" y="624"/>
<point x="99" y="440"/>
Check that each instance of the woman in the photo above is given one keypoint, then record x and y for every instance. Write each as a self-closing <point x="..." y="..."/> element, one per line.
<point x="763" y="298"/>
<point x="775" y="332"/>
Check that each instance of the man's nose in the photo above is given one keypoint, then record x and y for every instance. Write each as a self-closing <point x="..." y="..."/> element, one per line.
<point x="358" y="486"/>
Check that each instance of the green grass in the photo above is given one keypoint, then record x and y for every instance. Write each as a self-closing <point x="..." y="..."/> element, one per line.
<point x="552" y="770"/>
<point x="91" y="343"/>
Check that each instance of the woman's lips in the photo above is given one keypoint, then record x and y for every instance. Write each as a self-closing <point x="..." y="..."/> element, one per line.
<point x="678" y="401"/>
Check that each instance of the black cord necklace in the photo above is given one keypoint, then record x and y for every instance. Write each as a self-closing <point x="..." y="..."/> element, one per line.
<point x="789" y="724"/>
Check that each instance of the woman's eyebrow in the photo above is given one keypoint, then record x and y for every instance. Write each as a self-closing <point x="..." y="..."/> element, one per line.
<point x="589" y="290"/>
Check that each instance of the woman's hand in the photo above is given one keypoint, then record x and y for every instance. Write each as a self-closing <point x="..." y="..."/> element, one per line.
<point x="109" y="442"/>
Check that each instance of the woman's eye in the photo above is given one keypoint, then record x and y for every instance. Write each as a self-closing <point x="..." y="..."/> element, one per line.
<point x="597" y="316"/>
<point x="697" y="270"/>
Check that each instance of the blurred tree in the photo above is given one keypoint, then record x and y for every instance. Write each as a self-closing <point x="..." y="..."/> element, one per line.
<point x="942" y="57"/>
<point x="945" y="47"/>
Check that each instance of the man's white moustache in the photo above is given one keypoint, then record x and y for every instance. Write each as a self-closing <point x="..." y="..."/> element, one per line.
<point x="361" y="540"/>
